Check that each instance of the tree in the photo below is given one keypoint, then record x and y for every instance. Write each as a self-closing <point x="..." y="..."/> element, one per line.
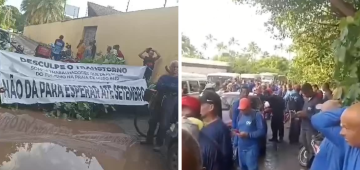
<point x="204" y="46"/>
<point x="210" y="38"/>
<point x="43" y="11"/>
<point x="221" y="47"/>
<point x="233" y="41"/>
<point x="189" y="50"/>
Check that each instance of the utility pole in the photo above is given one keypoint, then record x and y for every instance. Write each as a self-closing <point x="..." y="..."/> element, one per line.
<point x="127" y="7"/>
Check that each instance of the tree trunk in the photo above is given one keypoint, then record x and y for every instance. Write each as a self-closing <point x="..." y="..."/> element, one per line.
<point x="127" y="7"/>
<point x="165" y="3"/>
<point x="342" y="8"/>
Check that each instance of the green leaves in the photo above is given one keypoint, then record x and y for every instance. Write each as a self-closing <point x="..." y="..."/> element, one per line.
<point x="43" y="11"/>
<point x="347" y="57"/>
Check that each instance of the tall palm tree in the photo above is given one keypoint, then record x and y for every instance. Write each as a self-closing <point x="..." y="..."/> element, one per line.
<point x="233" y="41"/>
<point x="221" y="47"/>
<point x="165" y="3"/>
<point x="210" y="38"/>
<point x="43" y="11"/>
<point x="127" y="6"/>
<point x="204" y="46"/>
<point x="6" y="17"/>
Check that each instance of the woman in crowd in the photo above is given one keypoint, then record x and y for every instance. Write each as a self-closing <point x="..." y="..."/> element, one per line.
<point x="81" y="49"/>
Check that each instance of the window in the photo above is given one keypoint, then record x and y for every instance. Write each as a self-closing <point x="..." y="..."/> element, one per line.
<point x="184" y="87"/>
<point x="202" y="85"/>
<point x="194" y="86"/>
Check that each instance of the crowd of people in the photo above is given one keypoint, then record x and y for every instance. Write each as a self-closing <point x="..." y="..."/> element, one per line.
<point x="89" y="51"/>
<point x="311" y="111"/>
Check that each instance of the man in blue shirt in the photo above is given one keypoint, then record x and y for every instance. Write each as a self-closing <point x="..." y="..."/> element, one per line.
<point x="329" y="156"/>
<point x="249" y="129"/>
<point x="328" y="123"/>
<point x="244" y="93"/>
<point x="294" y="102"/>
<point x="58" y="47"/>
<point x="215" y="128"/>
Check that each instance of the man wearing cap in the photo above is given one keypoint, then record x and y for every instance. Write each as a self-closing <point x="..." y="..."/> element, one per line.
<point x="250" y="128"/>
<point x="215" y="128"/>
<point x="309" y="109"/>
<point x="244" y="93"/>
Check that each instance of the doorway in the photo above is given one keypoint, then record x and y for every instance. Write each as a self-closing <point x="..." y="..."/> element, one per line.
<point x="89" y="34"/>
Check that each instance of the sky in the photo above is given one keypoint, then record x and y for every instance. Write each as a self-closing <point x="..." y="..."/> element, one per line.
<point x="224" y="19"/>
<point x="120" y="5"/>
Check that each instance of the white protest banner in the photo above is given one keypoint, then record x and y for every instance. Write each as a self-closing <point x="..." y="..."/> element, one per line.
<point x="27" y="90"/>
<point x="50" y="69"/>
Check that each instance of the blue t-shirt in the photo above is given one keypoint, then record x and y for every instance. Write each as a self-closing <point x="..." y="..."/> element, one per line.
<point x="253" y="124"/>
<point x="221" y="134"/>
<point x="167" y="84"/>
<point x="328" y="124"/>
<point x="58" y="46"/>
<point x="212" y="156"/>
<point x="329" y="157"/>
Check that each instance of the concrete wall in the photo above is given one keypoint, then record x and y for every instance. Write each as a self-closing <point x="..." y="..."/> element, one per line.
<point x="133" y="31"/>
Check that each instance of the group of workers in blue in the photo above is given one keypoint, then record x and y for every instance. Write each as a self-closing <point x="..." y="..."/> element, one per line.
<point x="314" y="113"/>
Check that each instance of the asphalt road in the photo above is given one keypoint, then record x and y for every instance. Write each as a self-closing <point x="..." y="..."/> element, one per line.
<point x="29" y="45"/>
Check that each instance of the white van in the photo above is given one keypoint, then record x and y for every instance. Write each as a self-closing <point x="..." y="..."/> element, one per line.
<point x="193" y="83"/>
<point x="222" y="77"/>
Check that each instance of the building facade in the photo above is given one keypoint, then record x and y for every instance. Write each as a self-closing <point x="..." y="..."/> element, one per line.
<point x="133" y="31"/>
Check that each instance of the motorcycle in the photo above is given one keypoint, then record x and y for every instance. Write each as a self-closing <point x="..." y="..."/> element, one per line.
<point x="315" y="144"/>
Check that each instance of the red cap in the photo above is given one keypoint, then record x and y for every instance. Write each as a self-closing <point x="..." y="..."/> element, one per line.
<point x="244" y="103"/>
<point x="192" y="103"/>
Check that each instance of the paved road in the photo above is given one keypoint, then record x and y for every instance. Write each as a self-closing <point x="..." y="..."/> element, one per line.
<point x="29" y="46"/>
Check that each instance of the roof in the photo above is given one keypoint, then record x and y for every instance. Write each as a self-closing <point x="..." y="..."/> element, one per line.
<point x="224" y="74"/>
<point x="204" y="62"/>
<point x="98" y="10"/>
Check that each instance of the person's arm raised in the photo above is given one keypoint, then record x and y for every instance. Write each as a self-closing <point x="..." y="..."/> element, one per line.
<point x="328" y="124"/>
<point x="141" y="54"/>
<point x="157" y="55"/>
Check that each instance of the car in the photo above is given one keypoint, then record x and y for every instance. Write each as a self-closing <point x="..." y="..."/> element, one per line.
<point x="229" y="98"/>
<point x="170" y="147"/>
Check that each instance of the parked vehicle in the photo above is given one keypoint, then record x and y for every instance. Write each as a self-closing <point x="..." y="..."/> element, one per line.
<point x="43" y="51"/>
<point x="222" y="77"/>
<point x="193" y="83"/>
<point x="5" y="40"/>
<point x="170" y="147"/>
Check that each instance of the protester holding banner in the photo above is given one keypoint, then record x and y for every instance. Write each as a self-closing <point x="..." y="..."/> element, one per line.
<point x="149" y="61"/>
